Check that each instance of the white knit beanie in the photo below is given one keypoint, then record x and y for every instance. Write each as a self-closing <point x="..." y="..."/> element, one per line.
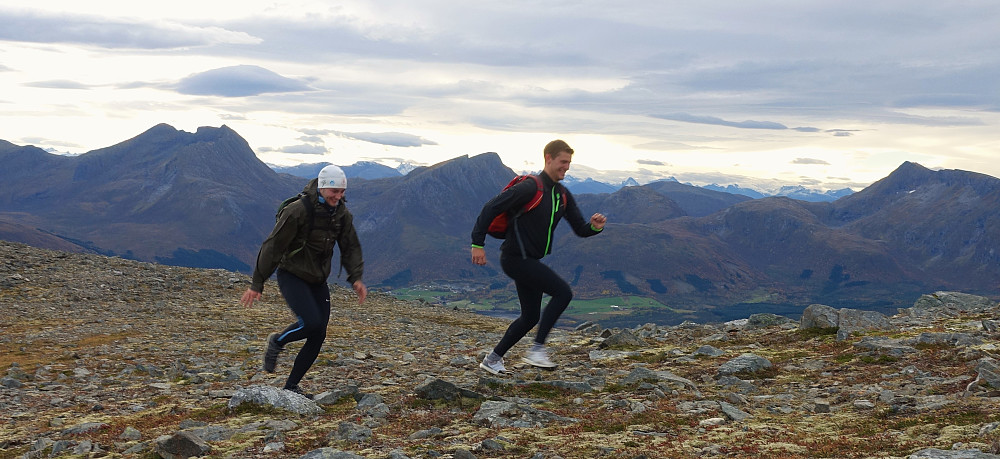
<point x="332" y="177"/>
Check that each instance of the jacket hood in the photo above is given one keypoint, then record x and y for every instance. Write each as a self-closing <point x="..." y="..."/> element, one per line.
<point x="312" y="190"/>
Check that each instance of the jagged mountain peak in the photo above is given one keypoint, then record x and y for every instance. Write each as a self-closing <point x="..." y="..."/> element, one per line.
<point x="906" y="177"/>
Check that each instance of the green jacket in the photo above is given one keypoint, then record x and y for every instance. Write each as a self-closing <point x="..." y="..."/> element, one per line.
<point x="331" y="226"/>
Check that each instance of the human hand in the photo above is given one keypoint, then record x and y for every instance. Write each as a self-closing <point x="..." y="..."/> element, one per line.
<point x="361" y="290"/>
<point x="249" y="297"/>
<point x="598" y="221"/>
<point x="479" y="256"/>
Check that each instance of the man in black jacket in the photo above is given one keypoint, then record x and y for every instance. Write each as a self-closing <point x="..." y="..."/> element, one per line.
<point x="300" y="248"/>
<point x="528" y="239"/>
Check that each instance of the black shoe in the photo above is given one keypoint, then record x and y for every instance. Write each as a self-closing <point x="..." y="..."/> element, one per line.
<point x="298" y="390"/>
<point x="271" y="353"/>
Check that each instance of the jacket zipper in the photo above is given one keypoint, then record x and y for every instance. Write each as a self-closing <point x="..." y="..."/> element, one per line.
<point x="552" y="219"/>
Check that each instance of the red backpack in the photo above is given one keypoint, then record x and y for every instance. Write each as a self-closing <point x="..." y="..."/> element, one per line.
<point x="498" y="227"/>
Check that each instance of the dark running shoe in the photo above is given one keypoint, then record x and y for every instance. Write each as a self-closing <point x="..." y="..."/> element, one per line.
<point x="298" y="390"/>
<point x="271" y="353"/>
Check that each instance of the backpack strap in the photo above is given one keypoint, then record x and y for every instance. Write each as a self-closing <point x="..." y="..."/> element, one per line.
<point x="539" y="194"/>
<point x="310" y="216"/>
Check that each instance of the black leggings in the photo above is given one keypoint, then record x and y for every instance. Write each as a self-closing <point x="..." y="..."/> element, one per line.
<point x="532" y="278"/>
<point x="311" y="304"/>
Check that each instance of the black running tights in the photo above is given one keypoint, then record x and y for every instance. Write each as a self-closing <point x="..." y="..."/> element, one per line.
<point x="311" y="305"/>
<point x="532" y="278"/>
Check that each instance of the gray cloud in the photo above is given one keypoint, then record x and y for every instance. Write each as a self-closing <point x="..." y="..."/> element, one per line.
<point x="238" y="81"/>
<point x="58" y="84"/>
<point x="749" y="124"/>
<point x="809" y="63"/>
<point x="299" y="149"/>
<point x="36" y="27"/>
<point x="809" y="161"/>
<point x="842" y="132"/>
<point x="394" y="139"/>
<point x="651" y="162"/>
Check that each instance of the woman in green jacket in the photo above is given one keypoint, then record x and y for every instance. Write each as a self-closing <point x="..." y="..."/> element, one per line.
<point x="300" y="248"/>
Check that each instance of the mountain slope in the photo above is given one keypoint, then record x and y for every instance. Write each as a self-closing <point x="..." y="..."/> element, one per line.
<point x="203" y="199"/>
<point x="152" y="196"/>
<point x="941" y="222"/>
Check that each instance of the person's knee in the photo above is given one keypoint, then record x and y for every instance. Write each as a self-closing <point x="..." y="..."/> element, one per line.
<point x="529" y="322"/>
<point x="563" y="293"/>
<point x="315" y="330"/>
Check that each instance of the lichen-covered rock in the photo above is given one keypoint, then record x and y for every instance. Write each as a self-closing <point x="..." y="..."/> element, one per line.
<point x="934" y="453"/>
<point x="746" y="363"/>
<point x="437" y="388"/>
<point x="510" y="414"/>
<point x="764" y="320"/>
<point x="329" y="453"/>
<point x="819" y="316"/>
<point x="181" y="445"/>
<point x="854" y="320"/>
<point x="272" y="396"/>
<point x="624" y="339"/>
<point x="948" y="304"/>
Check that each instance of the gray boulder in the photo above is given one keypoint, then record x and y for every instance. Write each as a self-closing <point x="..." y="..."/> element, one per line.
<point x="948" y="304"/>
<point x="746" y="363"/>
<point x="855" y="320"/>
<point x="130" y="434"/>
<point x="640" y="374"/>
<point x="934" y="453"/>
<point x="737" y="384"/>
<point x="764" y="320"/>
<point x="437" y="389"/>
<point x="509" y="414"/>
<point x="181" y="445"/>
<point x="708" y="350"/>
<point x="85" y="428"/>
<point x="886" y="346"/>
<point x="951" y="339"/>
<point x="624" y="339"/>
<point x="989" y="372"/>
<point x="278" y="398"/>
<point x="577" y="386"/>
<point x="335" y="396"/>
<point x="351" y="432"/>
<point x="213" y="433"/>
<point x="819" y="316"/>
<point x="733" y="412"/>
<point x="329" y="453"/>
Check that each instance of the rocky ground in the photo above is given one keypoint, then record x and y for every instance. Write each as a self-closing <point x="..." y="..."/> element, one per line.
<point x="105" y="357"/>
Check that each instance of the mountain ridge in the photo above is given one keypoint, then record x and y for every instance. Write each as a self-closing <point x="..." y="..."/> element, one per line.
<point x="204" y="199"/>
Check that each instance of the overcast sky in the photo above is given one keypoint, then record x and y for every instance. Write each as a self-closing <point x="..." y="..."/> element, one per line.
<point x="827" y="94"/>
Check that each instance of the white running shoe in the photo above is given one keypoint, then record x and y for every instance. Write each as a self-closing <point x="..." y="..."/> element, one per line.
<point x="494" y="367"/>
<point x="539" y="358"/>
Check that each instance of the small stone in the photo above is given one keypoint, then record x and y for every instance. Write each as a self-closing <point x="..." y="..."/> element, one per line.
<point x="821" y="406"/>
<point x="712" y="422"/>
<point x="864" y="404"/>
<point x="130" y="434"/>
